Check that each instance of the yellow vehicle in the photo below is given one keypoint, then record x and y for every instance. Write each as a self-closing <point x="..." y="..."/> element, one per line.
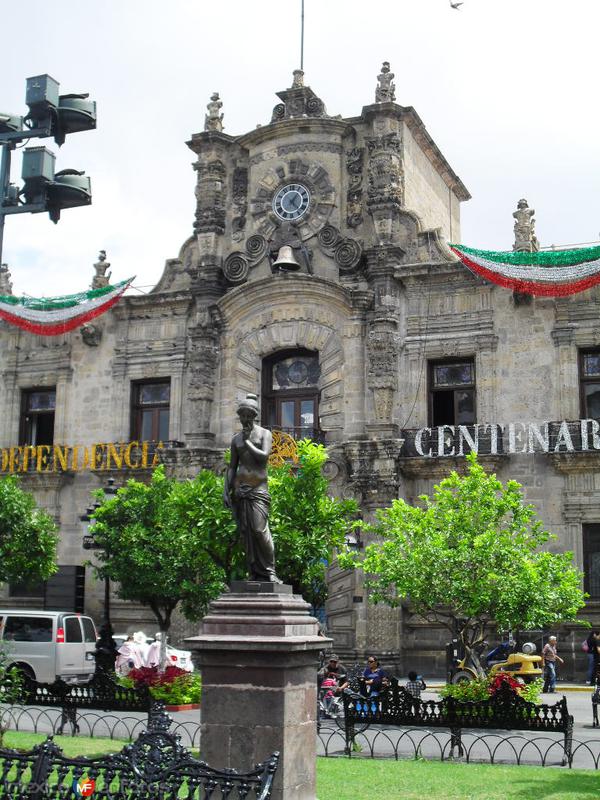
<point x="524" y="666"/>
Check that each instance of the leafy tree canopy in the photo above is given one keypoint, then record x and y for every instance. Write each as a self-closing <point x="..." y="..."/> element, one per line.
<point x="168" y="542"/>
<point x="28" y="537"/>
<point x="471" y="554"/>
<point x="308" y="525"/>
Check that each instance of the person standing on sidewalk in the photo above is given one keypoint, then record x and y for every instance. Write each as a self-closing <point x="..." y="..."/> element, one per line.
<point x="550" y="657"/>
<point x="592" y="643"/>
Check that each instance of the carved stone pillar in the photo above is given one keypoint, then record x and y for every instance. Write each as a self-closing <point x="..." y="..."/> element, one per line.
<point x="202" y="363"/>
<point x="385" y="195"/>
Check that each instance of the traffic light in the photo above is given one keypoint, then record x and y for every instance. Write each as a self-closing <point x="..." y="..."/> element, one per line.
<point x="50" y="191"/>
<point x="59" y="114"/>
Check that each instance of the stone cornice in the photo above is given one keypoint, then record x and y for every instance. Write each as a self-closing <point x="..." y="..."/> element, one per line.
<point x="575" y="462"/>
<point x="206" y="139"/>
<point x="154" y="305"/>
<point x="296" y="127"/>
<point x="437" y="468"/>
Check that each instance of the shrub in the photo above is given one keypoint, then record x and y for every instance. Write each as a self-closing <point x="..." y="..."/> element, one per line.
<point x="484" y="688"/>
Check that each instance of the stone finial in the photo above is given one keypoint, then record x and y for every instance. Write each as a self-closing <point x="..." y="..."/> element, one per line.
<point x="101" y="279"/>
<point x="298" y="81"/>
<point x="213" y="121"/>
<point x="525" y="238"/>
<point x="386" y="88"/>
<point x="5" y="281"/>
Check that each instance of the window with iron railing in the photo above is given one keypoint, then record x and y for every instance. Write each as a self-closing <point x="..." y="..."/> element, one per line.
<point x="290" y="401"/>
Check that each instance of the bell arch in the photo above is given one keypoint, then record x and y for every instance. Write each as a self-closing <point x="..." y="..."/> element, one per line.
<point x="286" y="315"/>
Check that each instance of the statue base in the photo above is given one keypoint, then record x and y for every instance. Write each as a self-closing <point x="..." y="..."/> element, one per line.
<point x="258" y="652"/>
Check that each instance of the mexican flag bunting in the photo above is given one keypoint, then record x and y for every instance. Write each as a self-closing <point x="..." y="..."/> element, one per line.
<point x="553" y="273"/>
<point x="51" y="316"/>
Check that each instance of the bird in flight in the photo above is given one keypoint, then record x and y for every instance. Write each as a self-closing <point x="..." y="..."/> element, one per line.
<point x="455" y="5"/>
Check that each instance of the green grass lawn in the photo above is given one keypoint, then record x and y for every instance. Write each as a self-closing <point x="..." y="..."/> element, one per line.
<point x="366" y="779"/>
<point x="71" y="746"/>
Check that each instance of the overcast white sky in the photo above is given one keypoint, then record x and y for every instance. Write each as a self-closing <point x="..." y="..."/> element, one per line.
<point x="507" y="88"/>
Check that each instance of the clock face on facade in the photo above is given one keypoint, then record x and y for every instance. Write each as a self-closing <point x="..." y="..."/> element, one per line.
<point x="291" y="201"/>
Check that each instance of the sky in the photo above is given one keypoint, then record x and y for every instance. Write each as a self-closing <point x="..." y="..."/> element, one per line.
<point x="507" y="89"/>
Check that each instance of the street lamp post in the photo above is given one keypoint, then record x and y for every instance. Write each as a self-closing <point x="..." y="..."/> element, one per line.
<point x="105" y="646"/>
<point x="50" y="114"/>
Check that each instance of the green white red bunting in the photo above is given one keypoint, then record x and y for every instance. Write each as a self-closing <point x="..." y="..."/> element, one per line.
<point x="55" y="315"/>
<point x="553" y="273"/>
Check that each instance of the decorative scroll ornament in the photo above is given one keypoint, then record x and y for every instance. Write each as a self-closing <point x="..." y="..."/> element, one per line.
<point x="346" y="252"/>
<point x="52" y="316"/>
<point x="236" y="268"/>
<point x="256" y="247"/>
<point x="284" y="449"/>
<point x="549" y="274"/>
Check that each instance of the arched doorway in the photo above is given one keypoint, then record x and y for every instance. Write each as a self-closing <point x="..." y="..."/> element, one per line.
<point x="290" y="388"/>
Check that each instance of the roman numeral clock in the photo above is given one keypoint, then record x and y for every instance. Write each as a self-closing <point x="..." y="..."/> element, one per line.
<point x="296" y="191"/>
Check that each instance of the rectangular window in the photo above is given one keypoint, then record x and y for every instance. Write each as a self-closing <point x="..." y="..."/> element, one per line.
<point x="150" y="411"/>
<point x="72" y="630"/>
<point x="28" y="629"/>
<point x="452" y="392"/>
<point x="591" y="559"/>
<point x="26" y="589"/>
<point x="37" y="416"/>
<point x="589" y="383"/>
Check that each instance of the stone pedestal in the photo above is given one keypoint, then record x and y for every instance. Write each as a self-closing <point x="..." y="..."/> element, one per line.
<point x="258" y="651"/>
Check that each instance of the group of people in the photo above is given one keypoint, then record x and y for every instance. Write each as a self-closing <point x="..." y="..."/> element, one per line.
<point x="136" y="652"/>
<point x="333" y="679"/>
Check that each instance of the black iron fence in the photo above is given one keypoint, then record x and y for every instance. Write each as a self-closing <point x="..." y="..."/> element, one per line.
<point x="154" y="766"/>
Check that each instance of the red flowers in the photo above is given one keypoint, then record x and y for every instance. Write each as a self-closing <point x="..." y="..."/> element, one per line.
<point x="150" y="676"/>
<point x="503" y="679"/>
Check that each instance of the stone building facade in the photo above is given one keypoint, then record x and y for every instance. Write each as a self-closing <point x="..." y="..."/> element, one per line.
<point x="319" y="277"/>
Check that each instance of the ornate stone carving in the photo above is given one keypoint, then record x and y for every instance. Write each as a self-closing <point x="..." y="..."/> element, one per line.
<point x="328" y="237"/>
<point x="373" y="471"/>
<point x="525" y="238"/>
<point x="346" y="252"/>
<point x="101" y="279"/>
<point x="240" y="202"/>
<point x="91" y="334"/>
<point x="298" y="101"/>
<point x="386" y="185"/>
<point x="382" y="354"/>
<point x="307" y="147"/>
<point x="256" y="248"/>
<point x="213" y="121"/>
<point x="202" y="361"/>
<point x="5" y="281"/>
<point x="210" y="196"/>
<point x="386" y="89"/>
<point x="236" y="268"/>
<point x="354" y="207"/>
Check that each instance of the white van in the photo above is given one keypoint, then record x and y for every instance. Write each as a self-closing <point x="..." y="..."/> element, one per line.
<point x="46" y="645"/>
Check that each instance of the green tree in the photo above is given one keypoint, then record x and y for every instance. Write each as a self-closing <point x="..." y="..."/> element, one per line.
<point x="470" y="555"/>
<point x="28" y="537"/>
<point x="173" y="542"/>
<point x="308" y="525"/>
<point x="166" y="543"/>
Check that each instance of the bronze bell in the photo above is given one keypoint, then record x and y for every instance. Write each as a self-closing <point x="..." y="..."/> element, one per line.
<point x="285" y="259"/>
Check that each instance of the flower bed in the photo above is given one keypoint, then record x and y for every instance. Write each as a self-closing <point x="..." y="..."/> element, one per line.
<point x="174" y="686"/>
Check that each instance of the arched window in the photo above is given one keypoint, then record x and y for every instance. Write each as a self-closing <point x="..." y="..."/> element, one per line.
<point x="291" y="393"/>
